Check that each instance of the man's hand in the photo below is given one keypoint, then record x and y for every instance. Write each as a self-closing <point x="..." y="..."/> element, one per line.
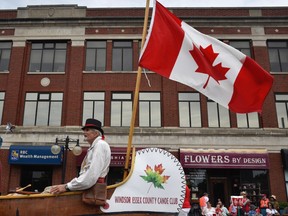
<point x="57" y="189"/>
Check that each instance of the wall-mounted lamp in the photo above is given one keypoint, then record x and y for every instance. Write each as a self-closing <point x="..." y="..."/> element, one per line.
<point x="56" y="149"/>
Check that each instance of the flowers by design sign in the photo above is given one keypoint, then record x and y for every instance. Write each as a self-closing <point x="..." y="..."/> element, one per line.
<point x="237" y="159"/>
<point x="157" y="184"/>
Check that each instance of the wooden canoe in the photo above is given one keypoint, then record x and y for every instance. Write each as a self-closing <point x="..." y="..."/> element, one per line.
<point x="69" y="203"/>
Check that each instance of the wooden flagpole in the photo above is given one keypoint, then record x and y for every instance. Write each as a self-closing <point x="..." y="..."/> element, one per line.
<point x="136" y="94"/>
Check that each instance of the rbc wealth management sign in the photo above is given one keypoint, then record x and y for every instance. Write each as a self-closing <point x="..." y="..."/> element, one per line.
<point x="33" y="155"/>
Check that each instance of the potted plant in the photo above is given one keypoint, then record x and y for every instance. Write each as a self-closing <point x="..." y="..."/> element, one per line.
<point x="283" y="206"/>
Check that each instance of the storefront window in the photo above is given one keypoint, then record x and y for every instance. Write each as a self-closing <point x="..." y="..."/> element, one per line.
<point x="255" y="183"/>
<point x="38" y="176"/>
<point x="286" y="180"/>
<point x="197" y="181"/>
<point x="115" y="175"/>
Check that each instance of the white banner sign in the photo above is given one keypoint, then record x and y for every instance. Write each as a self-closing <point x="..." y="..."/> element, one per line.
<point x="157" y="184"/>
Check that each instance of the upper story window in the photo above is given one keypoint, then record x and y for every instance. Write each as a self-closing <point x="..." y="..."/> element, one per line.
<point x="278" y="56"/>
<point x="149" y="109"/>
<point x="43" y="109"/>
<point x="2" y="97"/>
<point x="189" y="110"/>
<point x="139" y="47"/>
<point x="95" y="56"/>
<point x="5" y="51"/>
<point x="282" y="110"/>
<point x="93" y="106"/>
<point x="122" y="58"/>
<point x="48" y="57"/>
<point x="242" y="46"/>
<point x="218" y="116"/>
<point x="249" y="120"/>
<point x="121" y="109"/>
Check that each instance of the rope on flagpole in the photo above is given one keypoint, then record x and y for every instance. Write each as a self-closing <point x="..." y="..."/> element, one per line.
<point x="136" y="94"/>
<point x="148" y="81"/>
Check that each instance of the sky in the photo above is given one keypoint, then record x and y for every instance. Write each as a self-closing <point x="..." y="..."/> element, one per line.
<point x="14" y="4"/>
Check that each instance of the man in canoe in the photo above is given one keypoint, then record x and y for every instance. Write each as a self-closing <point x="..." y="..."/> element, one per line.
<point x="95" y="165"/>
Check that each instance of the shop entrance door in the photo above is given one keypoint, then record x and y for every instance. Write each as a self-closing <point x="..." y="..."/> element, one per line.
<point x="218" y="190"/>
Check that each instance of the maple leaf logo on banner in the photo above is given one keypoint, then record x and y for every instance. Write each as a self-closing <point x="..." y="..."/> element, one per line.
<point x="204" y="59"/>
<point x="155" y="177"/>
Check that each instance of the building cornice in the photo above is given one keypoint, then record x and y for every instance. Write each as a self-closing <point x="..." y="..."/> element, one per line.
<point x="272" y="139"/>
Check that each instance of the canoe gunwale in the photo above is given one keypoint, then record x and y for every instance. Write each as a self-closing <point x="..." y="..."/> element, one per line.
<point x="71" y="193"/>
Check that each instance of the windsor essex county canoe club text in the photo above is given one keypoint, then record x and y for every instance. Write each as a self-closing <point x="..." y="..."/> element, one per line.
<point x="146" y="200"/>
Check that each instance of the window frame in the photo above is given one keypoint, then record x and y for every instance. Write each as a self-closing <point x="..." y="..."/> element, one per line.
<point x="249" y="117"/>
<point x="50" y="53"/>
<point x="219" y="119"/>
<point x="9" y="51"/>
<point x="124" y="120"/>
<point x="95" y="102"/>
<point x="281" y="119"/>
<point x="35" y="115"/>
<point x="150" y="102"/>
<point x="96" y="51"/>
<point x="2" y="101"/>
<point x="120" y="65"/>
<point x="190" y="103"/>
<point x="245" y="50"/>
<point x="278" y="48"/>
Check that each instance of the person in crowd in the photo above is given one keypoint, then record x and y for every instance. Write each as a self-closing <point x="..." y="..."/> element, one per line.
<point x="271" y="211"/>
<point x="264" y="204"/>
<point x="225" y="211"/>
<point x="275" y="203"/>
<point x="252" y="211"/>
<point x="233" y="208"/>
<point x="203" y="202"/>
<point x="95" y="165"/>
<point x="245" y="202"/>
<point x="258" y="212"/>
<point x="209" y="210"/>
<point x="219" y="200"/>
<point x="218" y="210"/>
<point x="186" y="204"/>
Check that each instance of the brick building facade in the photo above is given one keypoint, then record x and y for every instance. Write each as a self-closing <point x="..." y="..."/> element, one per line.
<point x="62" y="64"/>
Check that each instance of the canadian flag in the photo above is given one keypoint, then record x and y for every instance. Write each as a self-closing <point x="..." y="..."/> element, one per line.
<point x="177" y="51"/>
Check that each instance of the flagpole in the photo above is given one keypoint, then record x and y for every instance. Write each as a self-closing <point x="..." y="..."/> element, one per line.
<point x="136" y="94"/>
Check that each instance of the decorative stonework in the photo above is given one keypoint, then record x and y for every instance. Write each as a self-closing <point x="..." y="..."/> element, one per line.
<point x="45" y="81"/>
<point x="51" y="12"/>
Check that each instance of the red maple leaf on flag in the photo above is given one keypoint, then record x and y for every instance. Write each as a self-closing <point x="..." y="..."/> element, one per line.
<point x="204" y="59"/>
